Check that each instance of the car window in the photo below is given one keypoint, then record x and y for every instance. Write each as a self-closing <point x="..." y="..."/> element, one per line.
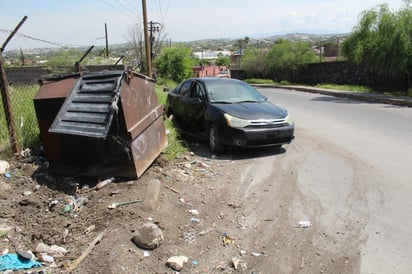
<point x="185" y="89"/>
<point x="197" y="91"/>
<point x="233" y="92"/>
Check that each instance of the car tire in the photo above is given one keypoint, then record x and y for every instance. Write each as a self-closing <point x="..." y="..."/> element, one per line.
<point x="214" y="140"/>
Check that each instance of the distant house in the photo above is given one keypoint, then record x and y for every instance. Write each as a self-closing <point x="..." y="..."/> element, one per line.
<point x="210" y="71"/>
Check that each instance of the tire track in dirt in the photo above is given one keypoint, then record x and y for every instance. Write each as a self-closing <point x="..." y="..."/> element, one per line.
<point x="315" y="181"/>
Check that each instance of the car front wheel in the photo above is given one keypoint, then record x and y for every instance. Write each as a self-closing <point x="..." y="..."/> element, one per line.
<point x="214" y="141"/>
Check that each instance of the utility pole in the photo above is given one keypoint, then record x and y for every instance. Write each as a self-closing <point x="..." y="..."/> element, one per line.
<point x="4" y="88"/>
<point x="107" y="40"/>
<point x="146" y="39"/>
<point x="153" y="27"/>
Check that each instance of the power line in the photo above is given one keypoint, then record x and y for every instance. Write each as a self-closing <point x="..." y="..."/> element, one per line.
<point x="126" y="12"/>
<point x="19" y="34"/>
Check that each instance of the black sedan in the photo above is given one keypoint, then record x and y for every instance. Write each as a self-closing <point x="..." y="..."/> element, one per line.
<point x="228" y="113"/>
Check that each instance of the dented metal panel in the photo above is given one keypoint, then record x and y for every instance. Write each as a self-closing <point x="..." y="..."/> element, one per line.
<point x="110" y="124"/>
<point x="89" y="109"/>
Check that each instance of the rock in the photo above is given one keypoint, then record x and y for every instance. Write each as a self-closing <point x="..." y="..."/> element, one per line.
<point x="4" y="188"/>
<point x="4" y="166"/>
<point x="149" y="236"/>
<point x="238" y="264"/>
<point x="177" y="262"/>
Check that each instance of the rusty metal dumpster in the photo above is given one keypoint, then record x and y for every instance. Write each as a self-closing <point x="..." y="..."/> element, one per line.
<point x="100" y="124"/>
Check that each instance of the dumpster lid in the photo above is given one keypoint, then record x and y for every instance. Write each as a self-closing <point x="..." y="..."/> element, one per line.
<point x="91" y="105"/>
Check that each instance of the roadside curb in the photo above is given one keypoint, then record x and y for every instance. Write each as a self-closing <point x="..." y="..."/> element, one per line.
<point x="374" y="98"/>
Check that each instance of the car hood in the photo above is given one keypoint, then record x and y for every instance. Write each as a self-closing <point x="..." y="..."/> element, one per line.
<point x="253" y="111"/>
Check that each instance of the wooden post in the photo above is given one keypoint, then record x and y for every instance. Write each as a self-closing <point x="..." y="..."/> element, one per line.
<point x="4" y="87"/>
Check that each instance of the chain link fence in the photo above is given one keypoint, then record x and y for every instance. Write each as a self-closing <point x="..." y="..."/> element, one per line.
<point x="23" y="117"/>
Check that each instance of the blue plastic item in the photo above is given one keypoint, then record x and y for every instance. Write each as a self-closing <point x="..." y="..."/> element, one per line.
<point x="13" y="262"/>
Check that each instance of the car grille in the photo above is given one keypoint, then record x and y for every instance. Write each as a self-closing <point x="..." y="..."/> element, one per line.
<point x="268" y="123"/>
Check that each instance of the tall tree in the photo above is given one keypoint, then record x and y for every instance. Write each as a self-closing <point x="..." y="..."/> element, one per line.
<point x="175" y="63"/>
<point x="286" y="57"/>
<point x="382" y="40"/>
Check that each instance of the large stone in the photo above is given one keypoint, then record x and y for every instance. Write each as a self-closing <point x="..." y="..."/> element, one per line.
<point x="177" y="262"/>
<point x="149" y="236"/>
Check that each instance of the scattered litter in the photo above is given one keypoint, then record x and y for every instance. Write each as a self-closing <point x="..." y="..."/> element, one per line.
<point x="4" y="166"/>
<point x="53" y="250"/>
<point x="89" y="229"/>
<point x="194" y="212"/>
<point x="27" y="193"/>
<point x="146" y="253"/>
<point x="256" y="254"/>
<point x="195" y="263"/>
<point x="177" y="262"/>
<point x="171" y="189"/>
<point x="304" y="224"/>
<point x="194" y="221"/>
<point x="44" y="257"/>
<point x="103" y="183"/>
<point x="14" y="262"/>
<point x="118" y="204"/>
<point x="204" y="232"/>
<point x="227" y="239"/>
<point x="189" y="237"/>
<point x="7" y="175"/>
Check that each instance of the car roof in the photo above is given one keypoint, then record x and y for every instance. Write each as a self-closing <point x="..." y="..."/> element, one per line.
<point x="215" y="79"/>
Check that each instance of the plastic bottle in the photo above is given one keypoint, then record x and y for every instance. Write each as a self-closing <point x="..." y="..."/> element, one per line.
<point x="104" y="182"/>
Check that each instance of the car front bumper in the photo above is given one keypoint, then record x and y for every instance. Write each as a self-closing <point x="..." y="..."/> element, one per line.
<point x="257" y="137"/>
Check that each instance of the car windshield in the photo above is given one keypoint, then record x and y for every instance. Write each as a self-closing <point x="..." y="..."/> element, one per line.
<point x="232" y="92"/>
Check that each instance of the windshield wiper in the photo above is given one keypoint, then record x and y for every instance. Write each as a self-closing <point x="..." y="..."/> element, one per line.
<point x="248" y="101"/>
<point x="222" y="102"/>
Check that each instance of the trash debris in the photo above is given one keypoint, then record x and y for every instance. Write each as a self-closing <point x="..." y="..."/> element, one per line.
<point x="195" y="263"/>
<point x="194" y="212"/>
<point x="119" y="204"/>
<point x="53" y="250"/>
<point x="171" y="189"/>
<point x="7" y="175"/>
<point x="89" y="229"/>
<point x="206" y="231"/>
<point x="14" y="262"/>
<point x="45" y="258"/>
<point x="189" y="237"/>
<point x="103" y="183"/>
<point x="194" y="221"/>
<point x="177" y="262"/>
<point x="304" y="224"/>
<point x="23" y="255"/>
<point x="227" y="239"/>
<point x="4" y="166"/>
<point x="86" y="252"/>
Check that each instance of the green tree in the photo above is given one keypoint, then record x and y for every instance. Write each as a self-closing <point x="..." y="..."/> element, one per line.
<point x="286" y="57"/>
<point x="175" y="63"/>
<point x="223" y="60"/>
<point x="253" y="63"/>
<point x="382" y="40"/>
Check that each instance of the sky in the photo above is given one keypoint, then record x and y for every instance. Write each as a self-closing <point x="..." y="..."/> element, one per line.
<point x="54" y="23"/>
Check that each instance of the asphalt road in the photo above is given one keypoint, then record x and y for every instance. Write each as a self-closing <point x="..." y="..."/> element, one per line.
<point x="351" y="164"/>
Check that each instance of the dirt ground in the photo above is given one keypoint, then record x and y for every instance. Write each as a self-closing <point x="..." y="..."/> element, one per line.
<point x="199" y="210"/>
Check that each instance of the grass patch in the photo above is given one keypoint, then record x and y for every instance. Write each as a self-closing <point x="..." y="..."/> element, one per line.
<point x="259" y="81"/>
<point x="24" y="117"/>
<point x="175" y="145"/>
<point x="362" y="89"/>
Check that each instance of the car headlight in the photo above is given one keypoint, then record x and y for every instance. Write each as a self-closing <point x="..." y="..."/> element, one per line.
<point x="289" y="120"/>
<point x="235" y="122"/>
